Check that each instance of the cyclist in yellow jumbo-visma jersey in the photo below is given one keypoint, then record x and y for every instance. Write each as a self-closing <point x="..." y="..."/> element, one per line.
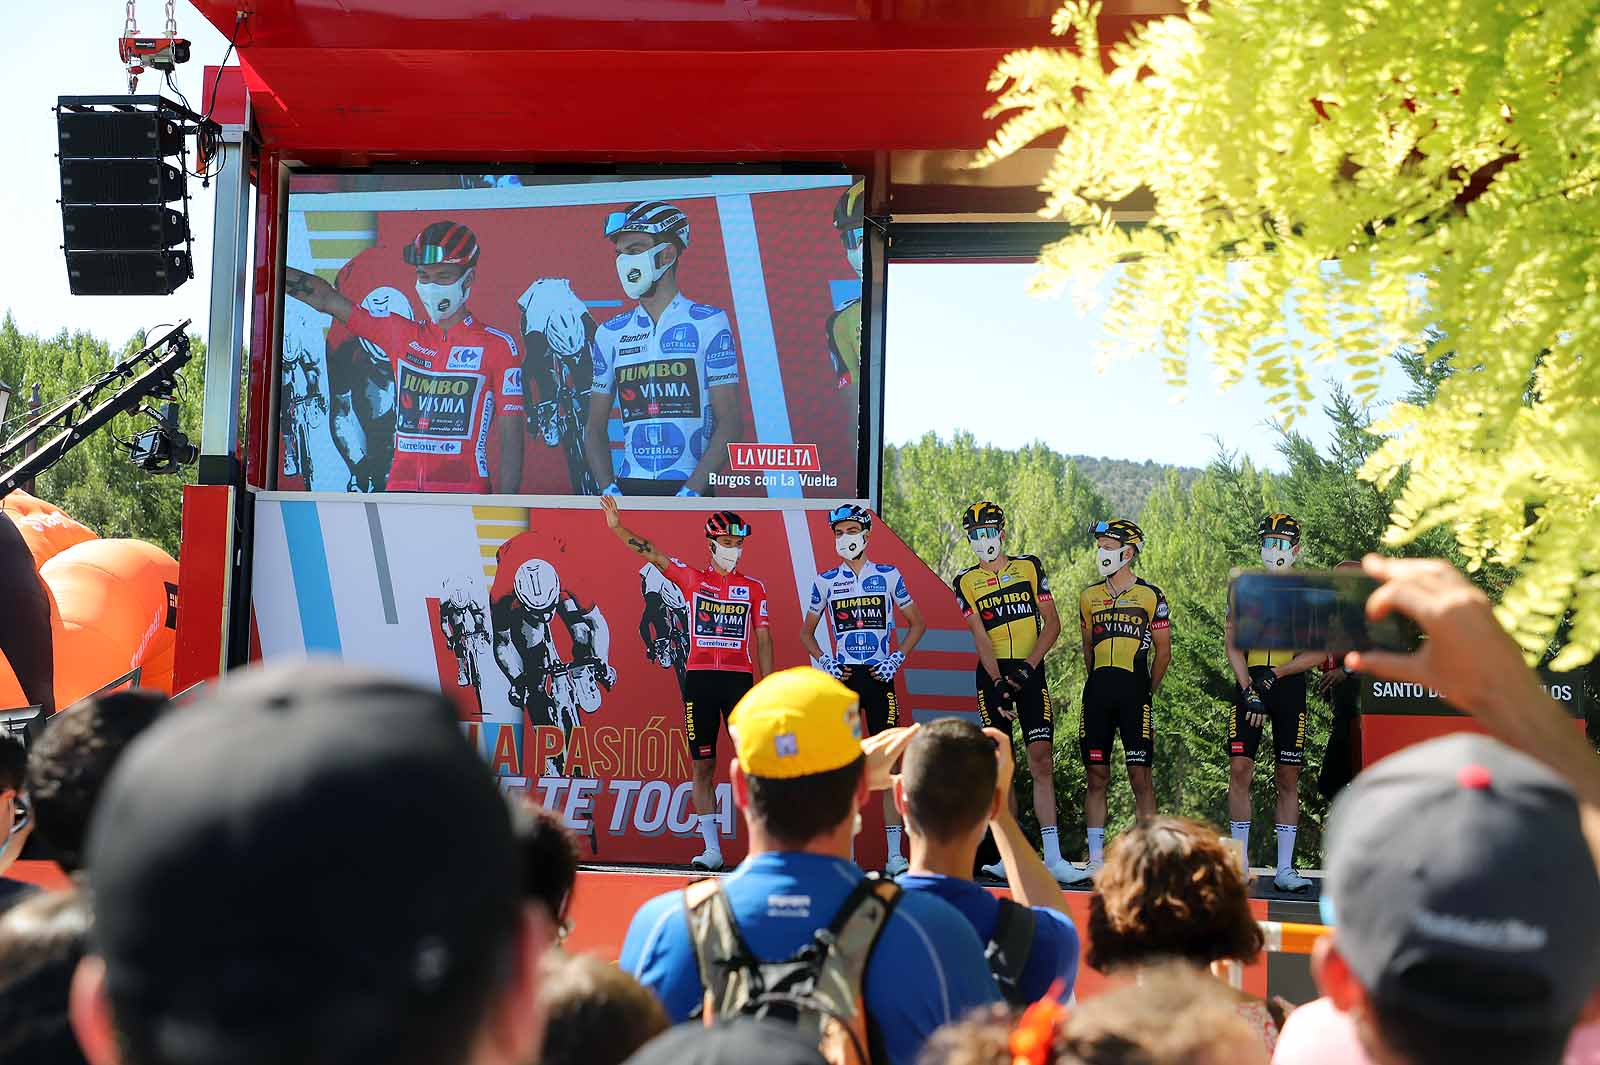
<point x="1272" y="685"/>
<point x="844" y="324"/>
<point x="1008" y="606"/>
<point x="1127" y="643"/>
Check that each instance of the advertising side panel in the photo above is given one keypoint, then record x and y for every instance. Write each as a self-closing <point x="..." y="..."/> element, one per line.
<point x="561" y="650"/>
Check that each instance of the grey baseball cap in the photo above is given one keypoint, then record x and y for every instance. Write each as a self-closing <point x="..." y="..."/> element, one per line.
<point x="1463" y="890"/>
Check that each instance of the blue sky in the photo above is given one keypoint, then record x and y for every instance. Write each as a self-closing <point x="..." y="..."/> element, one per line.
<point x="968" y="347"/>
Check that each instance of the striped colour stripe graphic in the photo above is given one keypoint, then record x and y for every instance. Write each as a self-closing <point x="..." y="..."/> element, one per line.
<point x="496" y="525"/>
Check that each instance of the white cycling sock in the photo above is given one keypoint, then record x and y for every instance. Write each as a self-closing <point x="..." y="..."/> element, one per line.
<point x="1241" y="832"/>
<point x="708" y="830"/>
<point x="1052" y="844"/>
<point x="1286" y="834"/>
<point x="1097" y="844"/>
<point x="892" y="834"/>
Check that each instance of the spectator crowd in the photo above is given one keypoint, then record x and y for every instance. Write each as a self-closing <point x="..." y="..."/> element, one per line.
<point x="313" y="866"/>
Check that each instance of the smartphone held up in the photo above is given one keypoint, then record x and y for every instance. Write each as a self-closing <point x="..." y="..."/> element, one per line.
<point x="1312" y="610"/>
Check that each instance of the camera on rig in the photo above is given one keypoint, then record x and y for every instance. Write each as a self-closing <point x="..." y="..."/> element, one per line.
<point x="165" y="448"/>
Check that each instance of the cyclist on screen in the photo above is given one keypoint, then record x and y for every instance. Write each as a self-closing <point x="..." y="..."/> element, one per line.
<point x="668" y="363"/>
<point x="1127" y="644"/>
<point x="844" y="324"/>
<point x="1272" y="685"/>
<point x="361" y="378"/>
<point x="859" y="600"/>
<point x="525" y="599"/>
<point x="558" y="371"/>
<point x="1008" y="606"/>
<point x="457" y="379"/>
<point x="730" y="635"/>
<point x="664" y="622"/>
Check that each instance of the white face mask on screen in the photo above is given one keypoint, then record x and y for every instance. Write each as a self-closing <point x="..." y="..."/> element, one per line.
<point x="854" y="255"/>
<point x="441" y="301"/>
<point x="640" y="271"/>
<point x="726" y="557"/>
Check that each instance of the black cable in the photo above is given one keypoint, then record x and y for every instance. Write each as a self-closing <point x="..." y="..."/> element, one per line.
<point x="238" y="24"/>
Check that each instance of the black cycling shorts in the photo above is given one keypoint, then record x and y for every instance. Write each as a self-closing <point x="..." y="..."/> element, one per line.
<point x="879" y="707"/>
<point x="1286" y="709"/>
<point x="709" y="696"/>
<point x="1117" y="701"/>
<point x="1032" y="704"/>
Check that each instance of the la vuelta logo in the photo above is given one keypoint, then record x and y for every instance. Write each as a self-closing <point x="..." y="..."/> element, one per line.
<point x="762" y="457"/>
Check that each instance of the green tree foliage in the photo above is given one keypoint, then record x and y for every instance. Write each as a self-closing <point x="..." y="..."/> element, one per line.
<point x="1332" y="179"/>
<point x="96" y="483"/>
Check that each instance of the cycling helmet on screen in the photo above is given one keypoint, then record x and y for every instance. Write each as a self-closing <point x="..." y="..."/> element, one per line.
<point x="653" y="218"/>
<point x="850" y="512"/>
<point x="849" y="212"/>
<point x="1121" y="530"/>
<point x="726" y="523"/>
<point x="442" y="243"/>
<point x="1279" y="525"/>
<point x="981" y="514"/>
<point x="536" y="585"/>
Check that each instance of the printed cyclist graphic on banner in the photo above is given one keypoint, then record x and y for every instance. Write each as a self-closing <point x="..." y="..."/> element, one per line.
<point x="674" y="335"/>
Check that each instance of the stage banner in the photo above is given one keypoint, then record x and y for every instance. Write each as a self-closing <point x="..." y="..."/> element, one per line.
<point x="561" y="650"/>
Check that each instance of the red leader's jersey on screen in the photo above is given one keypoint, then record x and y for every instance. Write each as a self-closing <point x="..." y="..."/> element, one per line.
<point x="725" y="610"/>
<point x="451" y="387"/>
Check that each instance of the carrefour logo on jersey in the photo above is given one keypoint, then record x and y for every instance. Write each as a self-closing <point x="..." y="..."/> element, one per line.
<point x="464" y="359"/>
<point x="738" y="591"/>
<point x="681" y="339"/>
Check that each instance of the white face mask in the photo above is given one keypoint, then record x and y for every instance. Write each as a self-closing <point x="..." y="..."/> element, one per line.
<point x="850" y="545"/>
<point x="1277" y="558"/>
<point x="726" y="557"/>
<point x="1109" y="561"/>
<point x="987" y="549"/>
<point x="441" y="301"/>
<point x="854" y="255"/>
<point x="640" y="271"/>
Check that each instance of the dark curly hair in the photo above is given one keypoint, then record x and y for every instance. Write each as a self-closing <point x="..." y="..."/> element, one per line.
<point x="72" y="759"/>
<point x="549" y="857"/>
<point x="1170" y="889"/>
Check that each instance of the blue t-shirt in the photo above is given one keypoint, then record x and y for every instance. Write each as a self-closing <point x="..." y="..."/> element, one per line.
<point x="1055" y="938"/>
<point x="927" y="969"/>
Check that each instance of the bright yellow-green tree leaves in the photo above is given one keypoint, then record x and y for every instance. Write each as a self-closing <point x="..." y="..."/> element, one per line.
<point x="1332" y="179"/>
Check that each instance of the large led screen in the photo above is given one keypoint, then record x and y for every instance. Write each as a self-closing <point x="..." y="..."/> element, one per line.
<point x="561" y="335"/>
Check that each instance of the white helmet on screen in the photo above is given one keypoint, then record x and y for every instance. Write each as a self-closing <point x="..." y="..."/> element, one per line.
<point x="380" y="303"/>
<point x="458" y="592"/>
<point x="549" y="306"/>
<point x="536" y="585"/>
<point x="672" y="596"/>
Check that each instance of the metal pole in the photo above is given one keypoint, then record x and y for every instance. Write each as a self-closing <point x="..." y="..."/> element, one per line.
<point x="219" y="427"/>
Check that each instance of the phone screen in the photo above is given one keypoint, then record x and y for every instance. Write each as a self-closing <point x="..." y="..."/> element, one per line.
<point x="1312" y="610"/>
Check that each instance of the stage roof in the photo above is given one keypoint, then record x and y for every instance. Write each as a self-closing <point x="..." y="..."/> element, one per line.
<point x="891" y="87"/>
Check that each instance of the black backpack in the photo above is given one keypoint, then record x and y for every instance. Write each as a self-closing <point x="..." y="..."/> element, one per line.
<point x="818" y="990"/>
<point x="1008" y="949"/>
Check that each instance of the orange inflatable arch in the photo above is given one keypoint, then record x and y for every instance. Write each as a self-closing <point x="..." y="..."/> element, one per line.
<point x="112" y="604"/>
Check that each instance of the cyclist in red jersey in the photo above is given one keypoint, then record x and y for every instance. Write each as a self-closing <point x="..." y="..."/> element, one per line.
<point x="456" y="377"/>
<point x="727" y="618"/>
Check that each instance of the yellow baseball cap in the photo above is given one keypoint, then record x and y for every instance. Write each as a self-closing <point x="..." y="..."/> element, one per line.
<point x="795" y="723"/>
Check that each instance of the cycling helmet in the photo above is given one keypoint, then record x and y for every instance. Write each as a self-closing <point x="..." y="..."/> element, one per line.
<point x="380" y="303"/>
<point x="983" y="513"/>
<point x="850" y="512"/>
<point x="458" y="592"/>
<point x="726" y="523"/>
<point x="442" y="243"/>
<point x="848" y="211"/>
<point x="537" y="585"/>
<point x="654" y="218"/>
<point x="1121" y="530"/>
<point x="1279" y="525"/>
